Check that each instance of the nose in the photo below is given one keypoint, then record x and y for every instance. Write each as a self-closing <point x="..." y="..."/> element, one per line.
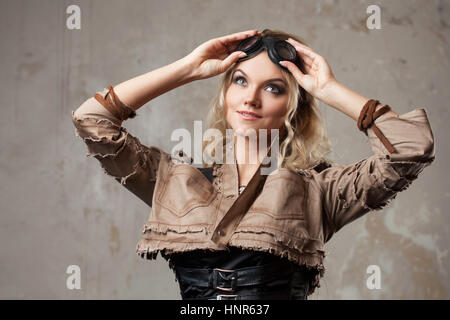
<point x="252" y="99"/>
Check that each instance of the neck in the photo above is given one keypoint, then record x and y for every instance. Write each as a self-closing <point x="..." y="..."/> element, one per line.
<point x="248" y="152"/>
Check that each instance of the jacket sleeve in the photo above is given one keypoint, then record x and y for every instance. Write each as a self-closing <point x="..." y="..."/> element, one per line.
<point x="120" y="154"/>
<point x="350" y="191"/>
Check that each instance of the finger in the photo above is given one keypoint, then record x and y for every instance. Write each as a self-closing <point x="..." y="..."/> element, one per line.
<point x="308" y="67"/>
<point x="296" y="43"/>
<point x="239" y="35"/>
<point x="232" y="58"/>
<point x="306" y="58"/>
<point x="230" y="41"/>
<point x="310" y="54"/>
<point x="303" y="48"/>
<point x="294" y="70"/>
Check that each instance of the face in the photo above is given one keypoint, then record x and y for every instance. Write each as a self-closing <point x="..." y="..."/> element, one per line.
<point x="254" y="89"/>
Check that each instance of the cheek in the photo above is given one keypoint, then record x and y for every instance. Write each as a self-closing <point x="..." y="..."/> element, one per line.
<point x="277" y="109"/>
<point x="231" y="103"/>
<point x="231" y="99"/>
<point x="276" y="113"/>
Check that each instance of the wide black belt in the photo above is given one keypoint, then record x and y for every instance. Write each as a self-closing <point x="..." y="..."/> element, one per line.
<point x="229" y="280"/>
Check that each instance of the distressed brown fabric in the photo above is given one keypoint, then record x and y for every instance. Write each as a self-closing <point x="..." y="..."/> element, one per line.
<point x="296" y="212"/>
<point x="121" y="155"/>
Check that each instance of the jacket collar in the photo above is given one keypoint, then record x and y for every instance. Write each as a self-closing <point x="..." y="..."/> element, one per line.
<point x="230" y="171"/>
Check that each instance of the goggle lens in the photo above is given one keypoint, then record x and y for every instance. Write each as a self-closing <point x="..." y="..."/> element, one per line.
<point x="248" y="43"/>
<point x="283" y="51"/>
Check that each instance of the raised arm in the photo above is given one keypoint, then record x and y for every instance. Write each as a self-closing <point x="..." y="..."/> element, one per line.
<point x="98" y="121"/>
<point x="138" y="91"/>
<point x="403" y="145"/>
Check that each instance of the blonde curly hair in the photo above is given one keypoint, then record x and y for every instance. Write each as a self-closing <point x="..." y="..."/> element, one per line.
<point x="304" y="143"/>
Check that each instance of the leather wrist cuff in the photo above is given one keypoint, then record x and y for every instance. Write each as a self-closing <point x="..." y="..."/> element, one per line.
<point x="366" y="120"/>
<point x="112" y="103"/>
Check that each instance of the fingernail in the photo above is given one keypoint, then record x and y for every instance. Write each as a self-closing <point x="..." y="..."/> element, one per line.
<point x="283" y="63"/>
<point x="242" y="54"/>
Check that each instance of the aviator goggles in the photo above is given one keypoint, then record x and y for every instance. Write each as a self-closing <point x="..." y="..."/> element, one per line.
<point x="277" y="50"/>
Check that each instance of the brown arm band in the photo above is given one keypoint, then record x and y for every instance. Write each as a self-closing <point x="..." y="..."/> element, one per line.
<point x="366" y="120"/>
<point x="112" y="103"/>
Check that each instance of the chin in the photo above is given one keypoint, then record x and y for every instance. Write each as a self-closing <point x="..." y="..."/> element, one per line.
<point x="242" y="130"/>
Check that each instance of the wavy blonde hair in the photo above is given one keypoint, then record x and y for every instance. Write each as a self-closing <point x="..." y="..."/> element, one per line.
<point x="304" y="143"/>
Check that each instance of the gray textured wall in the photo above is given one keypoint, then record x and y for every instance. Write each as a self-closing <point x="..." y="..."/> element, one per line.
<point x="58" y="208"/>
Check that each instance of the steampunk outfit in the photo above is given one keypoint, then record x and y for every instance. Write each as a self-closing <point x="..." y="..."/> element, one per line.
<point x="276" y="249"/>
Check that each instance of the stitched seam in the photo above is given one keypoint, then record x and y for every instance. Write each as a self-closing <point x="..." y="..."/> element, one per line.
<point x="282" y="246"/>
<point x="289" y="234"/>
<point x="327" y="214"/>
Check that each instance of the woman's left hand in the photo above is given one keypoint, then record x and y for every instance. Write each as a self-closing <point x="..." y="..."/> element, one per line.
<point x="318" y="77"/>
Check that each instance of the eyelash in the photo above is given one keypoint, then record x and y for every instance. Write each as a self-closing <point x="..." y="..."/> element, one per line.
<point x="280" y="90"/>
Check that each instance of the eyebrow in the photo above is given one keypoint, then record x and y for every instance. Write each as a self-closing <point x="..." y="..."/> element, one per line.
<point x="270" y="80"/>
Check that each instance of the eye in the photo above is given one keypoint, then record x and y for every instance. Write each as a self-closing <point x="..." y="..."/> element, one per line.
<point x="237" y="79"/>
<point x="277" y="92"/>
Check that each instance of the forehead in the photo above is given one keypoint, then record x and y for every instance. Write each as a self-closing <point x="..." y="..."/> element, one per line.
<point x="260" y="67"/>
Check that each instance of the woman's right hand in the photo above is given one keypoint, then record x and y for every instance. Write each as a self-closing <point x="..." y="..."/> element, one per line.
<point x="216" y="55"/>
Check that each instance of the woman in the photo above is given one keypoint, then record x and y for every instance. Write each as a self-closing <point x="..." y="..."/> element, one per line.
<point x="228" y="230"/>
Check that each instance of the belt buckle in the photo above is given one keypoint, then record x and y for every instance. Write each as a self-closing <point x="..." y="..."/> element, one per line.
<point x="226" y="296"/>
<point x="216" y="272"/>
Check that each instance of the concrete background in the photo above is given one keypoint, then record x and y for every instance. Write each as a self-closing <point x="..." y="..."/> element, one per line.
<point x="58" y="208"/>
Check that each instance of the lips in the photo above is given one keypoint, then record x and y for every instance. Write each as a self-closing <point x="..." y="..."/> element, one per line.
<point x="249" y="115"/>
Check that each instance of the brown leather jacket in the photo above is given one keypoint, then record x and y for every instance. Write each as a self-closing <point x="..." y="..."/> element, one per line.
<point x="293" y="216"/>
